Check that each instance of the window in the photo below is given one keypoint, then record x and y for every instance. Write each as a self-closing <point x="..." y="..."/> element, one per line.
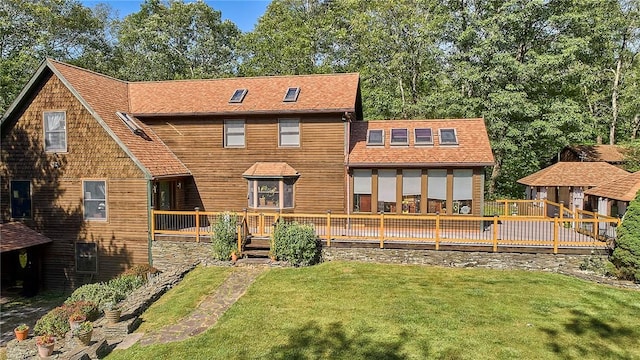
<point x="448" y="137"/>
<point x="21" y="199"/>
<point x="423" y="137"/>
<point x="234" y="133"/>
<point x="271" y="193"/>
<point x="289" y="132"/>
<point x="411" y="190"/>
<point x="86" y="257"/>
<point x="95" y="200"/>
<point x="462" y="191"/>
<point x="238" y="96"/>
<point x="362" y="190"/>
<point x="387" y="190"/>
<point x="399" y="137"/>
<point x="437" y="191"/>
<point x="55" y="131"/>
<point x="292" y="94"/>
<point x="375" y="137"/>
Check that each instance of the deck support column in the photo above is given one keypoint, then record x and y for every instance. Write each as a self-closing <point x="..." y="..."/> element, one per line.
<point x="556" y="224"/>
<point x="437" y="231"/>
<point x="329" y="228"/>
<point x="495" y="233"/>
<point x="197" y="212"/>
<point x="381" y="230"/>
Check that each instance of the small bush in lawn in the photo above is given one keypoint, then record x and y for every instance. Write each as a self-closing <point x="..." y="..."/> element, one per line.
<point x="224" y="236"/>
<point x="296" y="243"/>
<point x="626" y="255"/>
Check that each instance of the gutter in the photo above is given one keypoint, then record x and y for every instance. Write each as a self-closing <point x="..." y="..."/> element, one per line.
<point x="246" y="112"/>
<point x="419" y="165"/>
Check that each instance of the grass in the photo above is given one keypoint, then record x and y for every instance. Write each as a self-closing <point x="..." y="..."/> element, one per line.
<point x="341" y="310"/>
<point x="183" y="298"/>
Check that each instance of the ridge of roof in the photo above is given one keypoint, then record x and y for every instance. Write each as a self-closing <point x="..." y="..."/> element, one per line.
<point x="240" y="78"/>
<point x="50" y="60"/>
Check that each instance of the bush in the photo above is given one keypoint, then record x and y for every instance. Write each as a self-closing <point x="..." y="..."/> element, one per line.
<point x="140" y="270"/>
<point x="626" y="255"/>
<point x="296" y="243"/>
<point x="99" y="293"/>
<point x="125" y="284"/>
<point x="224" y="236"/>
<point x="55" y="322"/>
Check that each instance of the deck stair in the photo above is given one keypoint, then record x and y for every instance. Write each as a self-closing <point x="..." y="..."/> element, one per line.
<point x="257" y="247"/>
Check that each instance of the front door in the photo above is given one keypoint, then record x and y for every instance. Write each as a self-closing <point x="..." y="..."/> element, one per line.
<point x="165" y="195"/>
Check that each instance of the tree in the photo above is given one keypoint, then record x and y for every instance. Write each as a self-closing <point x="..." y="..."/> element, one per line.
<point x="176" y="40"/>
<point x="626" y="255"/>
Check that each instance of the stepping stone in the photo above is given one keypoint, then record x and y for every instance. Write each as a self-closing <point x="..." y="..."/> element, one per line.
<point x="129" y="340"/>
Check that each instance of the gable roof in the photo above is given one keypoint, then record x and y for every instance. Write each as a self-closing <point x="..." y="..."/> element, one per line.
<point x="608" y="153"/>
<point x="16" y="236"/>
<point x="574" y="174"/>
<point x="103" y="96"/>
<point x="265" y="95"/>
<point x="624" y="188"/>
<point x="270" y="170"/>
<point x="473" y="148"/>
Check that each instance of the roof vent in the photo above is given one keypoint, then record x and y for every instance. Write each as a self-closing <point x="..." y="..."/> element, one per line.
<point x="292" y="94"/>
<point x="238" y="96"/>
<point x="131" y="124"/>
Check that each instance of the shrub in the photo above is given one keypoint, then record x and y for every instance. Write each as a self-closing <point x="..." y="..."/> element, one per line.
<point x="296" y="243"/>
<point x="125" y="284"/>
<point x="55" y="322"/>
<point x="626" y="255"/>
<point x="140" y="270"/>
<point x="224" y="236"/>
<point x="99" y="293"/>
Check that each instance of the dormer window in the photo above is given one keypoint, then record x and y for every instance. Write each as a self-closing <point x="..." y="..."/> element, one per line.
<point x="448" y="137"/>
<point x="423" y="136"/>
<point x="399" y="137"/>
<point x="375" y="137"/>
<point x="238" y="96"/>
<point x="292" y="94"/>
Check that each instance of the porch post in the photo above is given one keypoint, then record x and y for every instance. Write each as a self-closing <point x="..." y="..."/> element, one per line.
<point x="197" y="212"/>
<point x="329" y="228"/>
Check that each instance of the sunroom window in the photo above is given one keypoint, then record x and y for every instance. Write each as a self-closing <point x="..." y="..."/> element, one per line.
<point x="423" y="136"/>
<point x="55" y="131"/>
<point x="399" y="137"/>
<point x="387" y="190"/>
<point x="437" y="191"/>
<point x="448" y="137"/>
<point x="462" y="191"/>
<point x="362" y="190"/>
<point x="411" y="190"/>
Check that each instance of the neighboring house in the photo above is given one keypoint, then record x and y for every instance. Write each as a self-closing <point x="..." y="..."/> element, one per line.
<point x="567" y="182"/>
<point x="85" y="157"/>
<point x="613" y="197"/>
<point x="612" y="154"/>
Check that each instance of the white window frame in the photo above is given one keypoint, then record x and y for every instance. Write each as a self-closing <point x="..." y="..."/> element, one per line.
<point x="92" y="253"/>
<point x="11" y="197"/>
<point x="406" y="142"/>
<point x="227" y="133"/>
<point x="415" y="137"/>
<point x="455" y="134"/>
<point x="254" y="193"/>
<point x="50" y="148"/>
<point x="103" y="201"/>
<point x="369" y="143"/>
<point x="281" y="133"/>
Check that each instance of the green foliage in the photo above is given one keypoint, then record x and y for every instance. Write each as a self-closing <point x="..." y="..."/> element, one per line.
<point x="55" y="322"/>
<point x="296" y="243"/>
<point x="84" y="327"/>
<point x="632" y="156"/>
<point x="224" y="239"/>
<point x="626" y="255"/>
<point x="140" y="270"/>
<point x="125" y="284"/>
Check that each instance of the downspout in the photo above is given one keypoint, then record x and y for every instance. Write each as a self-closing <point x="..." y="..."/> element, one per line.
<point x="149" y="214"/>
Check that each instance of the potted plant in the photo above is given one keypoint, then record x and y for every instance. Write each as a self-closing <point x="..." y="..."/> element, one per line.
<point x="76" y="319"/>
<point x="112" y="312"/>
<point x="45" y="345"/>
<point x="234" y="256"/>
<point x="22" y="332"/>
<point x="84" y="332"/>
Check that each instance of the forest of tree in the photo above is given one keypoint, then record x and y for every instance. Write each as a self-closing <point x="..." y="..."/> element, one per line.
<point x="543" y="73"/>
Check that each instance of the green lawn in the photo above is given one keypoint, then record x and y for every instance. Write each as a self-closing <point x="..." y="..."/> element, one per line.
<point x="341" y="310"/>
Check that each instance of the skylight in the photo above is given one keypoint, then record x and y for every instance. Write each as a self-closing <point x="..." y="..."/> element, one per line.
<point x="131" y="124"/>
<point x="292" y="94"/>
<point x="399" y="137"/>
<point x="448" y="137"/>
<point x="423" y="136"/>
<point x="238" y="96"/>
<point x="375" y="137"/>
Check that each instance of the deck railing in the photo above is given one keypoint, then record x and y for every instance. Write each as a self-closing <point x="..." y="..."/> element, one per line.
<point x="577" y="229"/>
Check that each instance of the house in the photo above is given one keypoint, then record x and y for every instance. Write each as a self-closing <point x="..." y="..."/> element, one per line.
<point x="612" y="154"/>
<point x="85" y="157"/>
<point x="567" y="182"/>
<point x="613" y="197"/>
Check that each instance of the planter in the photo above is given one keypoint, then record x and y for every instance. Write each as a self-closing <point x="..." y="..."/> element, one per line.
<point x="75" y="323"/>
<point x="45" y="350"/>
<point x="21" y="334"/>
<point x="112" y="316"/>
<point x="85" y="337"/>
<point x="234" y="257"/>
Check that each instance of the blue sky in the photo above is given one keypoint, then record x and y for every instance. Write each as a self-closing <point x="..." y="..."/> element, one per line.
<point x="244" y="13"/>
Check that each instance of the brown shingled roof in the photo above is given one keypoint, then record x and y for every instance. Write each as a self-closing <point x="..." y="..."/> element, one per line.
<point x="16" y="236"/>
<point x="318" y="93"/>
<point x="270" y="169"/>
<point x="105" y="96"/>
<point x="624" y="188"/>
<point x="473" y="147"/>
<point x="574" y="174"/>
<point x="607" y="153"/>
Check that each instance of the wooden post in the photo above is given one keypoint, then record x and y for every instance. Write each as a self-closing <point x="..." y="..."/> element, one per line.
<point x="153" y="225"/>
<point x="596" y="226"/>
<point x="561" y="210"/>
<point x="239" y="230"/>
<point x="544" y="207"/>
<point x="555" y="234"/>
<point x="328" y="228"/>
<point x="381" y="230"/>
<point x="197" y="210"/>
<point x="261" y="224"/>
<point x="437" y="231"/>
<point x="495" y="233"/>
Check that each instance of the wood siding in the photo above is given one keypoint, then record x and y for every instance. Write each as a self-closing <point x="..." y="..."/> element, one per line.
<point x="217" y="171"/>
<point x="57" y="190"/>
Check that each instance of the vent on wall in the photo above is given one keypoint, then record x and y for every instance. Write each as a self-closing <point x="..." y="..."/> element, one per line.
<point x="131" y="124"/>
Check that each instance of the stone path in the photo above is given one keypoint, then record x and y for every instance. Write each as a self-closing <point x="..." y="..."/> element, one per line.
<point x="209" y="310"/>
